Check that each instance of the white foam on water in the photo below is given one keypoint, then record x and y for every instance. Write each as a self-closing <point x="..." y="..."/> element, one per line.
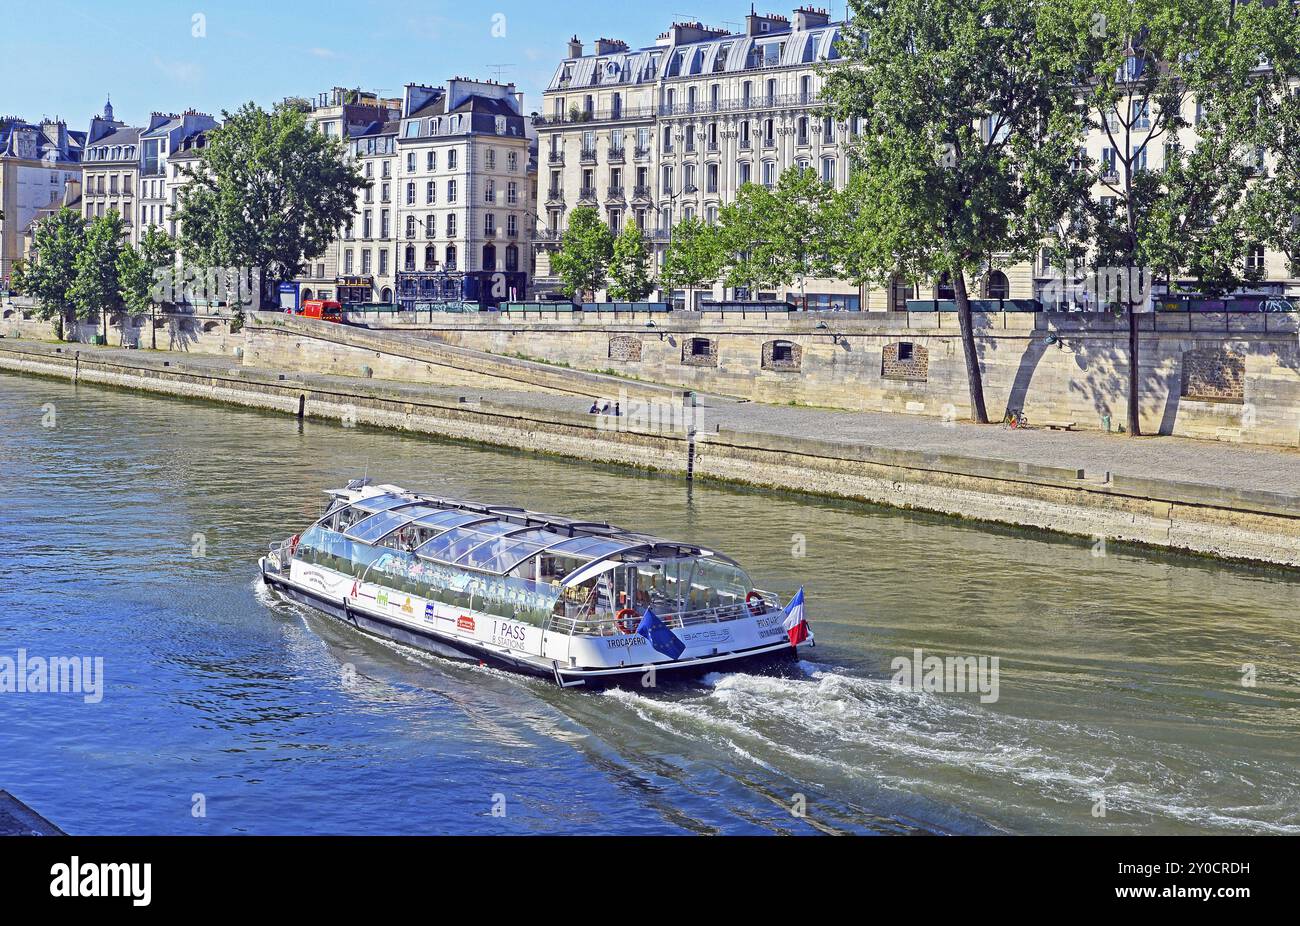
<point x="833" y="719"/>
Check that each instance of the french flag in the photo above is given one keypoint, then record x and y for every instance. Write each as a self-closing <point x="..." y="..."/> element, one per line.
<point x="796" y="626"/>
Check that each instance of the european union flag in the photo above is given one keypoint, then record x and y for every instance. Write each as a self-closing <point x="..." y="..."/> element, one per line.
<point x="660" y="637"/>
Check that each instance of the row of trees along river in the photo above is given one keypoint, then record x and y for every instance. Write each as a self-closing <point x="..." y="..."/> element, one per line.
<point x="969" y="154"/>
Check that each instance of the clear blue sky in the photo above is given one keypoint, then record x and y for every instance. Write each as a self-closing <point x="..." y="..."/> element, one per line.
<point x="60" y="58"/>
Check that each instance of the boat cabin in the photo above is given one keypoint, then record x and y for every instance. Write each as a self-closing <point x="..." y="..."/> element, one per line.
<point x="567" y="575"/>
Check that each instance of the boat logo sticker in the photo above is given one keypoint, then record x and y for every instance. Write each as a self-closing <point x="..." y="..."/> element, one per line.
<point x="465" y="622"/>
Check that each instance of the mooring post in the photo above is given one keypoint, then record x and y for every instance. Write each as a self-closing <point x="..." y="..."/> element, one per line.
<point x="76" y="366"/>
<point x="302" y="405"/>
<point x="688" y="402"/>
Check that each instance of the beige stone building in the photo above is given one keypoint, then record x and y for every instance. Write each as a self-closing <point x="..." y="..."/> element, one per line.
<point x="39" y="169"/>
<point x="656" y="133"/>
<point x="465" y="216"/>
<point x="353" y="116"/>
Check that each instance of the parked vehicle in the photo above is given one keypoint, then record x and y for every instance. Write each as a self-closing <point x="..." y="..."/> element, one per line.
<point x="324" y="309"/>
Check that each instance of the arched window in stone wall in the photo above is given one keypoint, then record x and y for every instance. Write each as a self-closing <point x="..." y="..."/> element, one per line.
<point x="782" y="356"/>
<point x="997" y="286"/>
<point x="1214" y="374"/>
<point x="700" y="352"/>
<point x="625" y="348"/>
<point x="905" y="361"/>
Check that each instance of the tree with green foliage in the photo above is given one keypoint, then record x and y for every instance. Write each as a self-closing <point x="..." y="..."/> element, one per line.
<point x="969" y="123"/>
<point x="51" y="270"/>
<point x="629" y="268"/>
<point x="694" y="259"/>
<point x="138" y="273"/>
<point x="586" y="249"/>
<point x="95" y="290"/>
<point x="268" y="192"/>
<point x="1144" y="65"/>
<point x="1273" y="201"/>
<point x="18" y="277"/>
<point x="746" y="227"/>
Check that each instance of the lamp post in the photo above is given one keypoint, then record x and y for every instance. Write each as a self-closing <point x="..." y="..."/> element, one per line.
<point x="687" y="189"/>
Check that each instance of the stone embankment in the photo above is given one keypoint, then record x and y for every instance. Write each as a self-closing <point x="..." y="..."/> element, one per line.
<point x="1246" y="506"/>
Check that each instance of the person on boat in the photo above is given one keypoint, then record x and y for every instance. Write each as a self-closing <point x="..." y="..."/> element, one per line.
<point x="595" y="408"/>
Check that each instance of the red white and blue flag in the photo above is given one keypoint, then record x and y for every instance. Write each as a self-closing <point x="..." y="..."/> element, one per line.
<point x="796" y="626"/>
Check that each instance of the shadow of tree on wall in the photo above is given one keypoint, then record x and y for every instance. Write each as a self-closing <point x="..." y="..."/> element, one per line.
<point x="1102" y="366"/>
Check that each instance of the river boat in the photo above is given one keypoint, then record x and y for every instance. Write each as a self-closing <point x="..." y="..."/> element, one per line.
<point x="578" y="602"/>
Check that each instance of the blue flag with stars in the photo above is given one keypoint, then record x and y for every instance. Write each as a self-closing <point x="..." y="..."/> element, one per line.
<point x="660" y="636"/>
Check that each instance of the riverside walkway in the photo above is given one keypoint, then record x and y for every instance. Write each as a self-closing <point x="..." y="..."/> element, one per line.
<point x="1223" y="465"/>
<point x="1219" y="499"/>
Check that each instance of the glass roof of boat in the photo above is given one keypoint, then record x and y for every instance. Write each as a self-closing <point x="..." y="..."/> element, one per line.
<point x="385" y="522"/>
<point x="382" y="502"/>
<point x="496" y="538"/>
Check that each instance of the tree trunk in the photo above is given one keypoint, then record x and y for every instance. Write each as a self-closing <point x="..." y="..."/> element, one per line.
<point x="973" y="377"/>
<point x="1134" y="377"/>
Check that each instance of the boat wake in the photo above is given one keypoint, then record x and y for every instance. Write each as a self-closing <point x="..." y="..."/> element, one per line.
<point x="862" y="735"/>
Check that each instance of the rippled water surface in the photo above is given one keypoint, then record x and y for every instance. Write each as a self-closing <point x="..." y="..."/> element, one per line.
<point x="1120" y="675"/>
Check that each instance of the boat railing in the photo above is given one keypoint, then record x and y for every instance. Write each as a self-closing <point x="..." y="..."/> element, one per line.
<point x="585" y="623"/>
<point x="281" y="552"/>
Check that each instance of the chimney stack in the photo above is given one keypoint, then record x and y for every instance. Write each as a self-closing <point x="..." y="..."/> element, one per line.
<point x="575" y="48"/>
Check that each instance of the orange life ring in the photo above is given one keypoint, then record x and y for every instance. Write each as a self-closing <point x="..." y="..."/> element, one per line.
<point x="626" y="620"/>
<point x="754" y="601"/>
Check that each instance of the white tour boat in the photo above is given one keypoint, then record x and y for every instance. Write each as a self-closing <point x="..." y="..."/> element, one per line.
<point x="575" y="601"/>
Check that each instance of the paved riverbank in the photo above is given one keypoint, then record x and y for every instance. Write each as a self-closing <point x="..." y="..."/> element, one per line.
<point x="1212" y="498"/>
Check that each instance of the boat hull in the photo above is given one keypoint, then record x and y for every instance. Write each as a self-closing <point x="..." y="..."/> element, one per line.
<point x="459" y="648"/>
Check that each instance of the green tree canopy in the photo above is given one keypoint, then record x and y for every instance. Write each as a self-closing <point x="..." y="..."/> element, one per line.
<point x="269" y="192"/>
<point x="967" y="110"/>
<point x="51" y="271"/>
<point x="695" y="256"/>
<point x="629" y="269"/>
<point x="1145" y="65"/>
<point x="586" y="249"/>
<point x="96" y="290"/>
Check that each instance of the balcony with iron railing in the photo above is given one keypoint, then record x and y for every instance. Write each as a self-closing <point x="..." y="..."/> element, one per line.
<point x="555" y="157"/>
<point x="641" y="151"/>
<point x="555" y="194"/>
<point x="641" y="191"/>
<point x="614" y="154"/>
<point x="588" y="156"/>
<point x="577" y="116"/>
<point x="587" y="194"/>
<point x="753" y="104"/>
<point x="615" y="192"/>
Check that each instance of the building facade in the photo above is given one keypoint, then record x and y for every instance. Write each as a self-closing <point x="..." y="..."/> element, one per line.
<point x="352" y="116"/>
<point x="654" y="134"/>
<point x="166" y="136"/>
<point x="40" y="166"/>
<point x="464" y="210"/>
<point x="673" y="130"/>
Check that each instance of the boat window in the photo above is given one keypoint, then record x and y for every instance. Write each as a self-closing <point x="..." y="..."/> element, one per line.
<point x="590" y="547"/>
<point x="504" y="554"/>
<point x="376" y="526"/>
<point x="381" y="502"/>
<point x="456" y="543"/>
<point x="690" y="584"/>
<point x="448" y="518"/>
